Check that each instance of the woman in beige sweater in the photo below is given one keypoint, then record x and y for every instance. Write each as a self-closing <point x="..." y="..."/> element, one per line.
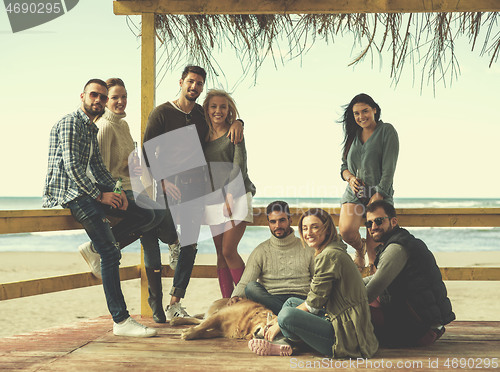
<point x="117" y="148"/>
<point x="335" y="318"/>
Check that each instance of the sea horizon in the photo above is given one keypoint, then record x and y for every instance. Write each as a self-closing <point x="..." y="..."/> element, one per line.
<point x="35" y="202"/>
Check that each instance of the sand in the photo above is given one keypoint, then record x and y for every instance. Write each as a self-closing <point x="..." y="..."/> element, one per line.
<point x="470" y="300"/>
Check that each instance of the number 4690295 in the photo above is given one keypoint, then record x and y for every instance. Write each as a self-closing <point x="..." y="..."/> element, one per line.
<point x="33" y="8"/>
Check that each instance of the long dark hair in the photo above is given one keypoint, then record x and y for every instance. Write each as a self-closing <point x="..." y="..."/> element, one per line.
<point x="350" y="126"/>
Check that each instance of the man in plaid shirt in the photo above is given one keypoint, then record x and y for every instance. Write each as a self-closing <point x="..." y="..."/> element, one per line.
<point x="77" y="179"/>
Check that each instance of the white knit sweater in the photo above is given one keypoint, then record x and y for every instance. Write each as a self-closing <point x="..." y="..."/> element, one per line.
<point x="282" y="266"/>
<point x="115" y="144"/>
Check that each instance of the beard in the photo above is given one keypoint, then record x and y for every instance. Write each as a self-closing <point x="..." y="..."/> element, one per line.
<point x="192" y="98"/>
<point x="93" y="111"/>
<point x="383" y="235"/>
<point x="286" y="232"/>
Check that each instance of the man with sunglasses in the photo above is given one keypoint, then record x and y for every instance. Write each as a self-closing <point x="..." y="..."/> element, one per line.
<point x="77" y="179"/>
<point x="407" y="295"/>
<point x="176" y="131"/>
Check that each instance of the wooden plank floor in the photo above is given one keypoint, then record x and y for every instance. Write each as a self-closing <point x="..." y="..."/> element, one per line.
<point x="91" y="346"/>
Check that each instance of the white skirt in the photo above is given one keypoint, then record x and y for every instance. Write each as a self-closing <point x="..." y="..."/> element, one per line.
<point x="242" y="211"/>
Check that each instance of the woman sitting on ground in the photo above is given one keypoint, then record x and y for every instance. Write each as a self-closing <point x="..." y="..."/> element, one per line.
<point x="335" y="318"/>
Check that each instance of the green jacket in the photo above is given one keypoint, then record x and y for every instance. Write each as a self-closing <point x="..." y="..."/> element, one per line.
<point x="337" y="286"/>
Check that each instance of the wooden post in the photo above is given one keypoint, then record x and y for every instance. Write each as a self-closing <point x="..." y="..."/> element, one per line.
<point x="148" y="85"/>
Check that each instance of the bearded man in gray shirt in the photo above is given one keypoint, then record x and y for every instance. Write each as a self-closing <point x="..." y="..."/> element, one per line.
<point x="408" y="298"/>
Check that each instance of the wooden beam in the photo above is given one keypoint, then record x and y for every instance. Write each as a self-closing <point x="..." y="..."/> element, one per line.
<point x="148" y="94"/>
<point x="470" y="273"/>
<point x="413" y="217"/>
<point x="148" y="69"/>
<point x="129" y="7"/>
<point x="22" y="221"/>
<point x="9" y="291"/>
<point x="36" y="221"/>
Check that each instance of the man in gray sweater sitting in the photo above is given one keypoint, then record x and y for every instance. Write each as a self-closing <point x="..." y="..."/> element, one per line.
<point x="280" y="267"/>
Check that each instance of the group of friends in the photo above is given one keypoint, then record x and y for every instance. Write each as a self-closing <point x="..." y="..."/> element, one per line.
<point x="194" y="157"/>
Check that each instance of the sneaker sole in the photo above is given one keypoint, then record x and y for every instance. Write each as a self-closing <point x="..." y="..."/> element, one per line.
<point x="142" y="335"/>
<point x="264" y="347"/>
<point x="84" y="255"/>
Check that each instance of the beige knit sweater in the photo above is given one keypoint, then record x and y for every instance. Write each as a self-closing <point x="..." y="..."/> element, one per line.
<point x="115" y="144"/>
<point x="282" y="266"/>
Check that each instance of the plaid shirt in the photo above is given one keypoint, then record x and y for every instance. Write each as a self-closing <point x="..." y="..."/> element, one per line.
<point x="69" y="151"/>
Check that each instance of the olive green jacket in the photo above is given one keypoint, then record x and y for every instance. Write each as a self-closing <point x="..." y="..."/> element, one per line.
<point x="338" y="288"/>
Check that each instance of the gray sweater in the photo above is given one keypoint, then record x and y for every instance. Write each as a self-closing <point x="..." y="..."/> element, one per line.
<point x="375" y="159"/>
<point x="282" y="266"/>
<point x="226" y="161"/>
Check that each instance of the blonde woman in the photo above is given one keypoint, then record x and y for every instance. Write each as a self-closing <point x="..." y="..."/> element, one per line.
<point x="335" y="318"/>
<point x="229" y="208"/>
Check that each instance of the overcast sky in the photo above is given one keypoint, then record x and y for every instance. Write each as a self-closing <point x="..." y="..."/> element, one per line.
<point x="448" y="140"/>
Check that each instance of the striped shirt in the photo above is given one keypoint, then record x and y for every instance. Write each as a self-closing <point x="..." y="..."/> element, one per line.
<point x="71" y="139"/>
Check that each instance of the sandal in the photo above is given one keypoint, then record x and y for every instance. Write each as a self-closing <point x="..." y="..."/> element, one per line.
<point x="359" y="257"/>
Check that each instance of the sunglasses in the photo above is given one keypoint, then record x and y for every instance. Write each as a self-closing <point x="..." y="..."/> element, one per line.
<point x="377" y="220"/>
<point x="102" y="97"/>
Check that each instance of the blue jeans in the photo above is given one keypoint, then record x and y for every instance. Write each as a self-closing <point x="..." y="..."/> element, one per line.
<point x="108" y="241"/>
<point x="149" y="213"/>
<point x="92" y="216"/>
<point x="152" y="215"/>
<point x="256" y="292"/>
<point x="315" y="330"/>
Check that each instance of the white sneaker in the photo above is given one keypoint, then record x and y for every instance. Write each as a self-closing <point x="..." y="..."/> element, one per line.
<point x="176" y="311"/>
<point x="131" y="328"/>
<point x="175" y="250"/>
<point x="92" y="258"/>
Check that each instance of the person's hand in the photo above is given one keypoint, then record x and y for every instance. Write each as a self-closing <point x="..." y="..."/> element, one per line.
<point x="171" y="190"/>
<point x="376" y="196"/>
<point x="233" y="300"/>
<point x="228" y="205"/>
<point x="137" y="171"/>
<point x="355" y="184"/>
<point x="235" y="133"/>
<point x="124" y="201"/>
<point x="272" y="331"/>
<point x="112" y="199"/>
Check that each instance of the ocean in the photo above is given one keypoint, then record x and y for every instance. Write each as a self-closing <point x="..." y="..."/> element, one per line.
<point x="437" y="239"/>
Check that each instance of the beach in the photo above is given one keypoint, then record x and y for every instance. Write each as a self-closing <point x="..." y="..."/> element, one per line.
<point x="471" y="300"/>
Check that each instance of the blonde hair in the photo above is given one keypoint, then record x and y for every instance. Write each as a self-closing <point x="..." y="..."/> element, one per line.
<point x="233" y="112"/>
<point x="328" y="227"/>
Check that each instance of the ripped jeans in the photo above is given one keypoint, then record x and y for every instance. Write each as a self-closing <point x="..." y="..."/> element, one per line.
<point x="92" y="215"/>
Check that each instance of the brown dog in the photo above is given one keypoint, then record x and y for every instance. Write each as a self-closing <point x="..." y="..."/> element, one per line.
<point x="244" y="319"/>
